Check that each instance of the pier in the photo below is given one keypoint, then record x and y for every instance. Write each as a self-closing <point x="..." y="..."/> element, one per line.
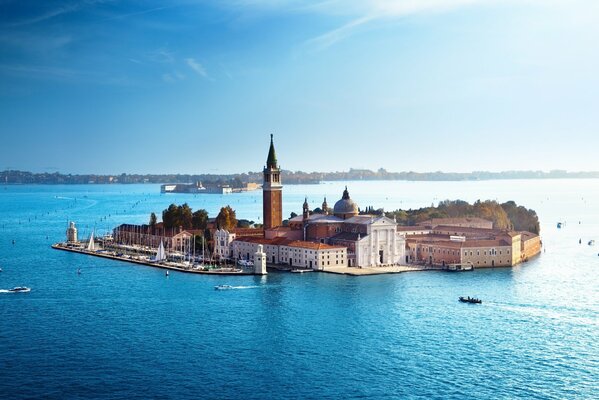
<point x="143" y="260"/>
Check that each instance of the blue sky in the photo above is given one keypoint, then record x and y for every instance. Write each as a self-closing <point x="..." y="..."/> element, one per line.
<point x="197" y="86"/>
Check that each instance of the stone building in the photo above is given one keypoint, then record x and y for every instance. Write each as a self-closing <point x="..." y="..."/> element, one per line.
<point x="480" y="247"/>
<point x="354" y="240"/>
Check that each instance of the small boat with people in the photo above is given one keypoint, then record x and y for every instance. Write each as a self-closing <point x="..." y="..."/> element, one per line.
<point x="223" y="287"/>
<point x="19" y="289"/>
<point x="471" y="300"/>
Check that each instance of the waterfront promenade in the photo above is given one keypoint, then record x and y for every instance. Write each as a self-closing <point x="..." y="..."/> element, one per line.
<point x="113" y="254"/>
<point x="167" y="265"/>
<point x="394" y="269"/>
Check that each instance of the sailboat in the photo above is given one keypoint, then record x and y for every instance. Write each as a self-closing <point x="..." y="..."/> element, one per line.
<point x="91" y="246"/>
<point x="160" y="254"/>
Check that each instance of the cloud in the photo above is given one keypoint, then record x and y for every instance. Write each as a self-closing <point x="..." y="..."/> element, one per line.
<point x="196" y="67"/>
<point x="173" y="76"/>
<point x="168" y="78"/>
<point x="376" y="10"/>
<point x="58" y="11"/>
<point x="161" y="55"/>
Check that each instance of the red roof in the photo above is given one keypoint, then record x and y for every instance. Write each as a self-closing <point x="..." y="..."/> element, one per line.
<point x="313" y="245"/>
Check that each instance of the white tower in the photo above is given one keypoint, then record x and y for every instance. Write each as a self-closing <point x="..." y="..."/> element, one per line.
<point x="260" y="261"/>
<point x="72" y="233"/>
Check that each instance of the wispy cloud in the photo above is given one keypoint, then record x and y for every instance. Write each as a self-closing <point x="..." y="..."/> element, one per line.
<point x="141" y="12"/>
<point x="161" y="55"/>
<point x="58" y="11"/>
<point x="173" y="76"/>
<point x="376" y="10"/>
<point x="196" y="67"/>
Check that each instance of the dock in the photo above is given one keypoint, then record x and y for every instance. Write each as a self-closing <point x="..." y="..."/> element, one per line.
<point x="167" y="265"/>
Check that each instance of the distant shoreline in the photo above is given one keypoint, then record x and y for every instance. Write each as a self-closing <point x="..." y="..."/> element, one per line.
<point x="238" y="181"/>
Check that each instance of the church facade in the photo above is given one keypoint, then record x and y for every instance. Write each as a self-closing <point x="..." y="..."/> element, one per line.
<point x="340" y="237"/>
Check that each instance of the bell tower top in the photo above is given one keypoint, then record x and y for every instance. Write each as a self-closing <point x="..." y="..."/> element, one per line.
<point x="271" y="160"/>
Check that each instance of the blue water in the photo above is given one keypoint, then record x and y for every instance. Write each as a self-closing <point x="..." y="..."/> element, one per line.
<point x="125" y="331"/>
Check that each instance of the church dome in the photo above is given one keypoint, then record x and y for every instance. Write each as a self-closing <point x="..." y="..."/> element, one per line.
<point x="345" y="208"/>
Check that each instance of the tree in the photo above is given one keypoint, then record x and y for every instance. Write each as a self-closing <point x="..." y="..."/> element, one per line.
<point x="199" y="219"/>
<point x="152" y="223"/>
<point x="169" y="217"/>
<point x="185" y="216"/>
<point x="226" y="219"/>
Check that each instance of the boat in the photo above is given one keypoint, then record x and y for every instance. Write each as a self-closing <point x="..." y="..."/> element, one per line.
<point x="591" y="242"/>
<point x="19" y="289"/>
<point x="459" y="267"/>
<point x="471" y="300"/>
<point x="223" y="287"/>
<point x="300" y="271"/>
<point x="559" y="225"/>
<point x="160" y="254"/>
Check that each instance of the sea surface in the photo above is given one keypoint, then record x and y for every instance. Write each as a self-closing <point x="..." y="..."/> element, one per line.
<point x="123" y="331"/>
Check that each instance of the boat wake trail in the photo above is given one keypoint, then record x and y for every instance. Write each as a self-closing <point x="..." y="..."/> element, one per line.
<point x="244" y="287"/>
<point x="4" y="291"/>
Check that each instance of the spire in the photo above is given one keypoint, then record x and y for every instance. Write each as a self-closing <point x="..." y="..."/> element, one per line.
<point x="345" y="194"/>
<point x="306" y="209"/>
<point x="271" y="161"/>
<point x="325" y="206"/>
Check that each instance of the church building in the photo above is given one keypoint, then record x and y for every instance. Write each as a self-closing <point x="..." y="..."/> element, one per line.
<point x="343" y="238"/>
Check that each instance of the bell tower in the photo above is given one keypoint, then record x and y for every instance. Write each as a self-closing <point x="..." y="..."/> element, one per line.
<point x="305" y="210"/>
<point x="272" y="191"/>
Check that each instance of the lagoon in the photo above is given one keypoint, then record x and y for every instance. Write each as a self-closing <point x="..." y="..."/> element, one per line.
<point x="119" y="330"/>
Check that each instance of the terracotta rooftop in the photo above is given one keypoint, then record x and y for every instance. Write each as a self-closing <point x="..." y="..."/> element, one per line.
<point x="457" y="220"/>
<point x="261" y="240"/>
<point x="450" y="228"/>
<point x="313" y="245"/>
<point x="485" y="243"/>
<point x="528" y="235"/>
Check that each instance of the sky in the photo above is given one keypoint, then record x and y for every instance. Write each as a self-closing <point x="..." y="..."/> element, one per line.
<point x="183" y="86"/>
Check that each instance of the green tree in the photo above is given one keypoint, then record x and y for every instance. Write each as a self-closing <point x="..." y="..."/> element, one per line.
<point x="185" y="216"/>
<point x="169" y="217"/>
<point x="199" y="219"/>
<point x="153" y="220"/>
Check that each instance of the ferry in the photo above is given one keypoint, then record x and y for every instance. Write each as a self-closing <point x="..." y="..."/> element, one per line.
<point x="459" y="267"/>
<point x="471" y="300"/>
<point x="19" y="289"/>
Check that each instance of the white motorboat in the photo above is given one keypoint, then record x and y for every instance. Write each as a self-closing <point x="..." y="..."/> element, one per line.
<point x="19" y="289"/>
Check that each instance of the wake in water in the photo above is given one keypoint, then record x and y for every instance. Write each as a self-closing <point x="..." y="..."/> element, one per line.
<point x="229" y="287"/>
